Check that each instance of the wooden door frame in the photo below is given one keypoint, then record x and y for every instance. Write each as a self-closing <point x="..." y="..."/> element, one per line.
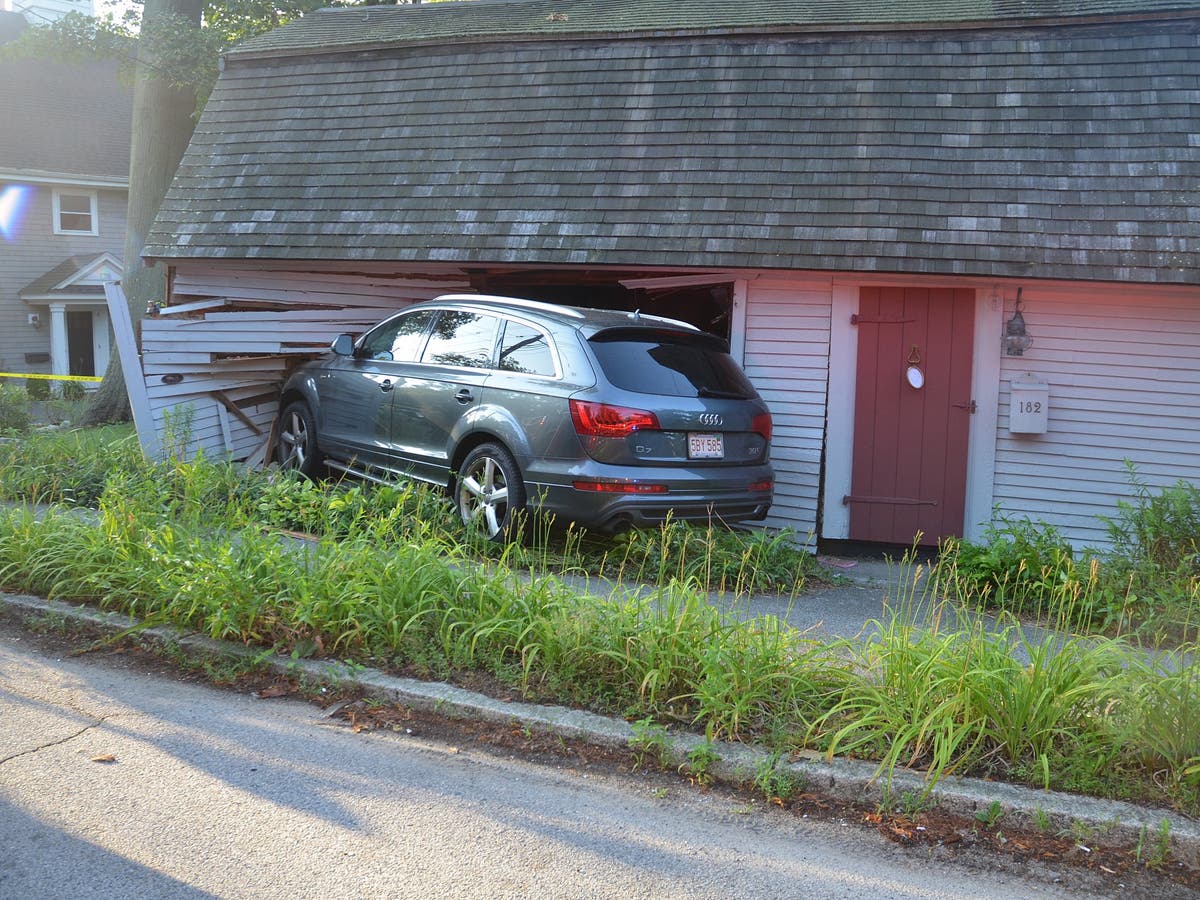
<point x="839" y="413"/>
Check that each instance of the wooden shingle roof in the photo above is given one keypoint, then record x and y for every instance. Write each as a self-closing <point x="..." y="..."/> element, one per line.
<point x="1048" y="150"/>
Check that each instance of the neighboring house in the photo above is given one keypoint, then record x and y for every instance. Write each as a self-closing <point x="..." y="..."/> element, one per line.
<point x="40" y="12"/>
<point x="863" y="197"/>
<point x="64" y="185"/>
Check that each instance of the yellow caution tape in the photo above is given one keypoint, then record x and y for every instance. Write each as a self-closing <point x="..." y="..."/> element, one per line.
<point x="54" y="377"/>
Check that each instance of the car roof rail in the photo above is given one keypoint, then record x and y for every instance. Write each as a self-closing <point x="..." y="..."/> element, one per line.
<point x="511" y="301"/>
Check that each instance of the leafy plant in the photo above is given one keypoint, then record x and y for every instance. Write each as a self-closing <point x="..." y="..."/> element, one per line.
<point x="15" y="416"/>
<point x="1041" y="820"/>
<point x="700" y="762"/>
<point x="1161" y="529"/>
<point x="991" y="815"/>
<point x="1153" y="851"/>
<point x="1017" y="566"/>
<point x="649" y="741"/>
<point x="776" y="783"/>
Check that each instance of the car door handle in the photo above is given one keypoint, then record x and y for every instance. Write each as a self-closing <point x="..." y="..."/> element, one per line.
<point x="386" y="386"/>
<point x="464" y="395"/>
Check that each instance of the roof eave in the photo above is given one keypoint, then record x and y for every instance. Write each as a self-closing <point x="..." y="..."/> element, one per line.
<point x="859" y="28"/>
<point x="75" y="179"/>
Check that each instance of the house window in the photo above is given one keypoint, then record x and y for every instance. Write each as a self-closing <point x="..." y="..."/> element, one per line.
<point x="75" y="212"/>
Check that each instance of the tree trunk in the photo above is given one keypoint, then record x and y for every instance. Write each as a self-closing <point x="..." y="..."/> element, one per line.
<point x="163" y="120"/>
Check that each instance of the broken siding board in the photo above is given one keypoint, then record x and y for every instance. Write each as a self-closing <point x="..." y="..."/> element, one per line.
<point x="242" y="366"/>
<point x="192" y="276"/>
<point x="268" y="348"/>
<point x="131" y="369"/>
<point x="226" y="435"/>
<point x="294" y="315"/>
<point x="307" y="289"/>
<point x="232" y="325"/>
<point x="191" y="307"/>
<point x="285" y="329"/>
<point x="174" y="357"/>
<point x="198" y="384"/>
<point x="290" y="299"/>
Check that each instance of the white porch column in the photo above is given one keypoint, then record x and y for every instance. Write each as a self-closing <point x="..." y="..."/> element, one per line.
<point x="100" y="340"/>
<point x="60" y="362"/>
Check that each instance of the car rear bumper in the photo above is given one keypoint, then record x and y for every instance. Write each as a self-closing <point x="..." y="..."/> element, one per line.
<point x="702" y="494"/>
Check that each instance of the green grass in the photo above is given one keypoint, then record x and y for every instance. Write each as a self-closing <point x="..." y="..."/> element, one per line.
<point x="391" y="583"/>
<point x="67" y="466"/>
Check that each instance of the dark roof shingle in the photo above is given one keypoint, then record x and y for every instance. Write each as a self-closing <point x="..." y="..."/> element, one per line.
<point x="1061" y="152"/>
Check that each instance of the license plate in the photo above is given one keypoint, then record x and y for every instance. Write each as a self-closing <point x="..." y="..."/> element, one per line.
<point x="705" y="446"/>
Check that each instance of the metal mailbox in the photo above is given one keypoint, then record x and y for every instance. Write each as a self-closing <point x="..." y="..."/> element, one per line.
<point x="1028" y="405"/>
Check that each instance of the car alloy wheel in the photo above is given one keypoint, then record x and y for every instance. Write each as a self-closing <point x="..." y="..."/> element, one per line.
<point x="491" y="493"/>
<point x="298" y="439"/>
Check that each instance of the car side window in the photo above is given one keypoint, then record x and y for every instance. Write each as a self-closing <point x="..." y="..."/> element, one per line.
<point x="462" y="339"/>
<point x="399" y="339"/>
<point x="525" y="350"/>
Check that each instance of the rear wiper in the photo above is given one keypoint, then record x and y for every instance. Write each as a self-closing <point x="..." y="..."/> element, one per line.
<point x="713" y="392"/>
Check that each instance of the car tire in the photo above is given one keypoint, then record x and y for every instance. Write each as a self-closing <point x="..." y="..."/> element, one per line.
<point x="490" y="492"/>
<point x="296" y="448"/>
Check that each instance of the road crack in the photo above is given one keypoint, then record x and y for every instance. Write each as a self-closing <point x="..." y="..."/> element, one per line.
<point x="46" y="746"/>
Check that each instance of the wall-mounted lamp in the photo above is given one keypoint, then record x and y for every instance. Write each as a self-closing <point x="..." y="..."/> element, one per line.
<point x="35" y="320"/>
<point x="1016" y="340"/>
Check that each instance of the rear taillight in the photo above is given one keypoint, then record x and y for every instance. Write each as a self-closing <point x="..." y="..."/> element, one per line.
<point x="620" y="487"/>
<point x="761" y="424"/>
<point x="762" y="486"/>
<point x="605" y="420"/>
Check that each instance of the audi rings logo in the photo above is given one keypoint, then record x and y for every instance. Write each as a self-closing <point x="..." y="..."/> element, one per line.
<point x="711" y="419"/>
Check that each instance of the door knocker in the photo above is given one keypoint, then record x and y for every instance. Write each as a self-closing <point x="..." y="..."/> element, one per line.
<point x="913" y="374"/>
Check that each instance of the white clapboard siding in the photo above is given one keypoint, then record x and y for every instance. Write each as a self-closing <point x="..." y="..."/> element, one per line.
<point x="787" y="358"/>
<point x="1124" y="377"/>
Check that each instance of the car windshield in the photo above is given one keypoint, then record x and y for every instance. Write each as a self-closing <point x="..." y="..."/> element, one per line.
<point x="676" y="364"/>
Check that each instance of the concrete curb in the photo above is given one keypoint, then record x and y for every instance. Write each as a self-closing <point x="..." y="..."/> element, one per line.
<point x="1104" y="822"/>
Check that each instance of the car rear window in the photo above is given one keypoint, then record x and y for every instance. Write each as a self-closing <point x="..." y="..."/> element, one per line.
<point x="671" y="363"/>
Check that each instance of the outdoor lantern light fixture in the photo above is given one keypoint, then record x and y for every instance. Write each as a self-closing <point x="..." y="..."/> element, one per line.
<point x="1016" y="340"/>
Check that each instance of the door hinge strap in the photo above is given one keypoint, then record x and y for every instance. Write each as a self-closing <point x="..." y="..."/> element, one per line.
<point x="896" y="501"/>
<point x="856" y="319"/>
<point x="969" y="406"/>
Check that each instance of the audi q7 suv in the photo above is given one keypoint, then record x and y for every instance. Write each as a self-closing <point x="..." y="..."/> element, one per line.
<point x="610" y="419"/>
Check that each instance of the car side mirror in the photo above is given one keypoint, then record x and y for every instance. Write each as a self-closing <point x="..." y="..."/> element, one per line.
<point x="343" y="345"/>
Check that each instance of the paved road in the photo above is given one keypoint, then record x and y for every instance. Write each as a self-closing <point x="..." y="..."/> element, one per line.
<point x="213" y="793"/>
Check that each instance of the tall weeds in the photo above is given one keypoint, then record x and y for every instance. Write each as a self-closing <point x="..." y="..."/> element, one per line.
<point x="937" y="683"/>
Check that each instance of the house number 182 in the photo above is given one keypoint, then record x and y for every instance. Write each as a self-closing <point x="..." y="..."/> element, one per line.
<point x="1029" y="406"/>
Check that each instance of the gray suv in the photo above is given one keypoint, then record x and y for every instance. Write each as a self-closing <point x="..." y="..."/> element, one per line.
<point x="610" y="419"/>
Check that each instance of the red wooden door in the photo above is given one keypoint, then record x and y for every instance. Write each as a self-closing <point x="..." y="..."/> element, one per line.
<point x="909" y="471"/>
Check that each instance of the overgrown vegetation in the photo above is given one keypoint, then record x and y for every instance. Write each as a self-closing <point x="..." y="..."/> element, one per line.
<point x="14" y="411"/>
<point x="71" y="466"/>
<point x="391" y="583"/>
<point x="1147" y="585"/>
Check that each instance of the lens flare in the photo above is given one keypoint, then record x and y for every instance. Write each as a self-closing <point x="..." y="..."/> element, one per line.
<point x="12" y="204"/>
